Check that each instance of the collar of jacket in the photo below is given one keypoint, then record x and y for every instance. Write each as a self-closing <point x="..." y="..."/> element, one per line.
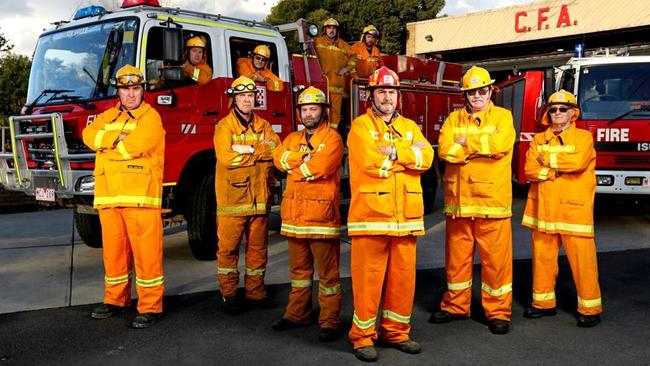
<point x="382" y="126"/>
<point x="478" y="117"/>
<point x="254" y="123"/>
<point x="316" y="138"/>
<point x="331" y="42"/>
<point x="133" y="113"/>
<point x="253" y="67"/>
<point x="564" y="135"/>
<point x="362" y="48"/>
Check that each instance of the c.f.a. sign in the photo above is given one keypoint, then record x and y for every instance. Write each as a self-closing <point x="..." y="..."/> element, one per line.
<point x="525" y="21"/>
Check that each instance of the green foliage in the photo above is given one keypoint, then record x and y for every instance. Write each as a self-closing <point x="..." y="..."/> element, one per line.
<point x="389" y="16"/>
<point x="14" y="76"/>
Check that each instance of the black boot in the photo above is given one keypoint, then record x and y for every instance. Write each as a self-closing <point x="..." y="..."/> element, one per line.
<point x="285" y="324"/>
<point x="329" y="334"/>
<point x="442" y="317"/>
<point x="105" y="311"/>
<point x="588" y="321"/>
<point x="144" y="320"/>
<point x="230" y="305"/>
<point x="534" y="313"/>
<point x="366" y="354"/>
<point x="499" y="326"/>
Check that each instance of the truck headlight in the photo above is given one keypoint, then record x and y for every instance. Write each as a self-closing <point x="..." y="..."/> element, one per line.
<point x="87" y="184"/>
<point x="605" y="180"/>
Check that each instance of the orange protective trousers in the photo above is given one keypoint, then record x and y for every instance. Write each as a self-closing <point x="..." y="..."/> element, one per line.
<point x="581" y="253"/>
<point x="302" y="255"/>
<point x="336" y="101"/>
<point x="133" y="232"/>
<point x="230" y="231"/>
<point x="382" y="265"/>
<point x="494" y="240"/>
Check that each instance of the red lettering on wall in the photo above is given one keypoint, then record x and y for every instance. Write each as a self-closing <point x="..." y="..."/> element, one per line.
<point x="519" y="29"/>
<point x="563" y="20"/>
<point x="541" y="17"/>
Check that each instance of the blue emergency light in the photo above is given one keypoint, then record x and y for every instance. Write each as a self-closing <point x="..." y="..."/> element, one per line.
<point x="89" y="11"/>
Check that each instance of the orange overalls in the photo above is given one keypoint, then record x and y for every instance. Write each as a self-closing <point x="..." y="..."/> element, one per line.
<point x="201" y="73"/>
<point x="334" y="55"/>
<point x="311" y="221"/>
<point x="559" y="210"/>
<point x="128" y="191"/>
<point x="478" y="200"/>
<point x="246" y="68"/>
<point x="366" y="63"/>
<point x="386" y="216"/>
<point x="242" y="184"/>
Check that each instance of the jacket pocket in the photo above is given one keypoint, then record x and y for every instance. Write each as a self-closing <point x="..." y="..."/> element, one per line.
<point x="378" y="202"/>
<point x="128" y="178"/>
<point x="239" y="191"/>
<point x="318" y="207"/>
<point x="413" y="204"/>
<point x="450" y="186"/>
<point x="481" y="186"/>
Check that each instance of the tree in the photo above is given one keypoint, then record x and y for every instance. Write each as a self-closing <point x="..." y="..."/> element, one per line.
<point x="14" y="76"/>
<point x="390" y="17"/>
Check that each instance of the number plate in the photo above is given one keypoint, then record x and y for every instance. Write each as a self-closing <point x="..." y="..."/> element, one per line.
<point x="45" y="194"/>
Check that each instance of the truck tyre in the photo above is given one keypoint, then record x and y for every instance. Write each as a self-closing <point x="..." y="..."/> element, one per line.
<point x="201" y="220"/>
<point x="429" y="182"/>
<point x="89" y="229"/>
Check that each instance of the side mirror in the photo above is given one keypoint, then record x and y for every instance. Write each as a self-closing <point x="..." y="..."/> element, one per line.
<point x="173" y="74"/>
<point x="172" y="45"/>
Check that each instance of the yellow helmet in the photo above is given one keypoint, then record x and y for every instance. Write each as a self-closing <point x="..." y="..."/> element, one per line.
<point x="127" y="75"/>
<point x="263" y="50"/>
<point x="312" y="95"/>
<point x="476" y="77"/>
<point x="371" y="29"/>
<point x="330" y="22"/>
<point x="561" y="97"/>
<point x="241" y="85"/>
<point x="195" y="42"/>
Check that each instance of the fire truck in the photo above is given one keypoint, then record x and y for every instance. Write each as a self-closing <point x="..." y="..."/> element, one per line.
<point x="613" y="93"/>
<point x="70" y="85"/>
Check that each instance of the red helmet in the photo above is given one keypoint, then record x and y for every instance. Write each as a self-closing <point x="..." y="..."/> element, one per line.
<point x="383" y="77"/>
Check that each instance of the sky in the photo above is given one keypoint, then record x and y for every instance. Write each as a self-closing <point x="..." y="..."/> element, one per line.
<point x="21" y="21"/>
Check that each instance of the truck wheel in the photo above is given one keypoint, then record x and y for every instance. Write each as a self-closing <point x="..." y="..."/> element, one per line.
<point x="429" y="182"/>
<point x="89" y="229"/>
<point x="201" y="220"/>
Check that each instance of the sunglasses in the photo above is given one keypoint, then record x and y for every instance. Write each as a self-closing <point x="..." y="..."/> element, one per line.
<point x="260" y="58"/>
<point x="554" y="110"/>
<point x="480" y="91"/>
<point x="242" y="87"/>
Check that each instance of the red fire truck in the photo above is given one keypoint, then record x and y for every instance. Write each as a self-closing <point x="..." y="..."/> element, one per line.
<point x="614" y="97"/>
<point x="69" y="86"/>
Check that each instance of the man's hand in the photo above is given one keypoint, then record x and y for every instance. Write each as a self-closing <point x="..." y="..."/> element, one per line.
<point x="306" y="158"/>
<point x="242" y="149"/>
<point x="259" y="77"/>
<point x="461" y="140"/>
<point x="420" y="145"/>
<point x="343" y="71"/>
<point x="540" y="159"/>
<point x="119" y="138"/>
<point x="386" y="150"/>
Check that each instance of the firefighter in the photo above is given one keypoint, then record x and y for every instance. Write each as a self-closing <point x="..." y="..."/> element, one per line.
<point x="130" y="143"/>
<point x="336" y="61"/>
<point x="560" y="163"/>
<point x="310" y="215"/>
<point x="476" y="142"/>
<point x="257" y="68"/>
<point x="387" y="155"/>
<point x="367" y="57"/>
<point x="244" y="144"/>
<point x="196" y="66"/>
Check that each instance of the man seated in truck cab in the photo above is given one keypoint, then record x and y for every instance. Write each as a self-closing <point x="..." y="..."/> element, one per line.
<point x="257" y="68"/>
<point x="196" y="66"/>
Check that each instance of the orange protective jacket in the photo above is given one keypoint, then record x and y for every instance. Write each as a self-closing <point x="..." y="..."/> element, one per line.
<point x="386" y="194"/>
<point x="561" y="195"/>
<point x="333" y="56"/>
<point x="129" y="173"/>
<point x="201" y="73"/>
<point x="246" y="68"/>
<point x="477" y="176"/>
<point x="243" y="181"/>
<point x="365" y="63"/>
<point x="310" y="202"/>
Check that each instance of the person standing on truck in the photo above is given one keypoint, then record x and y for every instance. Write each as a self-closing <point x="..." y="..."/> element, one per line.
<point x="244" y="144"/>
<point x="310" y="215"/>
<point x="477" y="142"/>
<point x="196" y="66"/>
<point x="367" y="57"/>
<point x="387" y="155"/>
<point x="336" y="61"/>
<point x="130" y="143"/>
<point x="257" y="68"/>
<point x="560" y="164"/>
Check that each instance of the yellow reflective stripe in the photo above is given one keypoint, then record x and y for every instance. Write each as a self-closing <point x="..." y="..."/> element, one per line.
<point x="330" y="47"/>
<point x="236" y="161"/>
<point x="283" y="160"/>
<point x="554" y="226"/>
<point x="556" y="148"/>
<point x="150" y="283"/>
<point x="374" y="134"/>
<point x="485" y="145"/>
<point x="473" y="130"/>
<point x="300" y="283"/>
<point x="337" y="90"/>
<point x="334" y="126"/>
<point x="405" y="319"/>
<point x="589" y="303"/>
<point x="129" y="126"/>
<point x="305" y="172"/>
<point x="459" y="285"/>
<point x="122" y="150"/>
<point x="97" y="144"/>
<point x="196" y="73"/>
<point x="543" y="173"/>
<point x="363" y="324"/>
<point x="553" y="160"/>
<point x="239" y="209"/>
<point x="418" y="157"/>
<point x="276" y="84"/>
<point x="117" y="280"/>
<point x="320" y="147"/>
<point x="248" y="138"/>
<point x="227" y="270"/>
<point x="453" y="150"/>
<point x="156" y="201"/>
<point x="385" y="166"/>
<point x="372" y="59"/>
<point x="255" y="272"/>
<point x="544" y="296"/>
<point x="330" y="291"/>
<point x="318" y="230"/>
<point x="408" y="135"/>
<point x="385" y="226"/>
<point x="498" y="291"/>
<point x="478" y="210"/>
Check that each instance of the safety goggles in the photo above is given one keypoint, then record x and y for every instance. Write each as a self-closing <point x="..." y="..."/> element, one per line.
<point x="481" y="91"/>
<point x="130" y="79"/>
<point x="554" y="110"/>
<point x="244" y="87"/>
